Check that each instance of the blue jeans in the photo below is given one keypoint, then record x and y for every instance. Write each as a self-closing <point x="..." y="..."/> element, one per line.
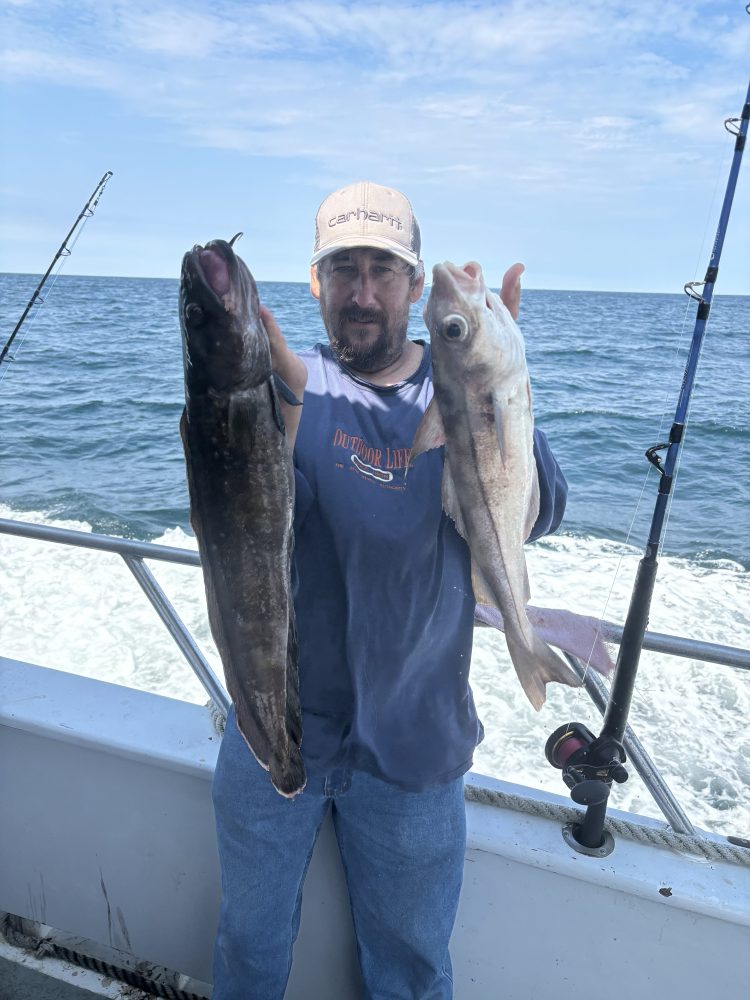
<point x="403" y="855"/>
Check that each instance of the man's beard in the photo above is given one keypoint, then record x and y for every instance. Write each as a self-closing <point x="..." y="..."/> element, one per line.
<point x="365" y="355"/>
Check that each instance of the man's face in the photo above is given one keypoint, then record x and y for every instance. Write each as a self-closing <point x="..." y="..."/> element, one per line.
<point x="364" y="301"/>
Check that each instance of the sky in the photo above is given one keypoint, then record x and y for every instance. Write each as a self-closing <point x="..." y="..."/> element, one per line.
<point x="585" y="139"/>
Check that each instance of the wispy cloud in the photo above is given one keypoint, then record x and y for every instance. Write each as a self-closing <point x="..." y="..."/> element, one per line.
<point x="270" y="79"/>
<point x="549" y="99"/>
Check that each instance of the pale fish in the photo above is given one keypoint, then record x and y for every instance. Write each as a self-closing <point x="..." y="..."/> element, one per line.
<point x="482" y="413"/>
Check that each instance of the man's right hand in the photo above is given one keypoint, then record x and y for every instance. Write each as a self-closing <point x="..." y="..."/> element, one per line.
<point x="510" y="291"/>
<point x="290" y="368"/>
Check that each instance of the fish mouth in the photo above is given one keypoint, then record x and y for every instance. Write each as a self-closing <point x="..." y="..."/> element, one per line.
<point x="457" y="299"/>
<point x="468" y="280"/>
<point x="211" y="267"/>
<point x="215" y="270"/>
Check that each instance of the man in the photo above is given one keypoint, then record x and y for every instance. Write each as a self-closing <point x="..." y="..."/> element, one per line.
<point x="385" y="613"/>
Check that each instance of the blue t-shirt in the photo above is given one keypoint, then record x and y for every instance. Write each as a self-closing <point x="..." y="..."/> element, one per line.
<point x="383" y="597"/>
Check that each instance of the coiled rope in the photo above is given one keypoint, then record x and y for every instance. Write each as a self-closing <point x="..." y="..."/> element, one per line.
<point x="140" y="980"/>
<point x="709" y="850"/>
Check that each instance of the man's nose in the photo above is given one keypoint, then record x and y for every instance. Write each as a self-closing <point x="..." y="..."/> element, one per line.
<point x="364" y="290"/>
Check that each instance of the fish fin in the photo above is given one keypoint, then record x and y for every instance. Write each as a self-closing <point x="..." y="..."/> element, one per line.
<point x="532" y="512"/>
<point x="488" y="614"/>
<point x="450" y="502"/>
<point x="288" y="769"/>
<point x="484" y="595"/>
<point x="482" y="591"/>
<point x="185" y="435"/>
<point x="293" y="708"/>
<point x="278" y="416"/>
<point x="284" y="391"/>
<point x="526" y="585"/>
<point x="536" y="665"/>
<point x="281" y="757"/>
<point x="579" y="635"/>
<point x="430" y="433"/>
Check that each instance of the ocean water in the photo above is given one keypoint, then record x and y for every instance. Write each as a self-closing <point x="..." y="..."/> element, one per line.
<point x="89" y="413"/>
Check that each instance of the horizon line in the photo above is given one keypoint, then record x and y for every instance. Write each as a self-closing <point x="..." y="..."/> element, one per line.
<point x="278" y="281"/>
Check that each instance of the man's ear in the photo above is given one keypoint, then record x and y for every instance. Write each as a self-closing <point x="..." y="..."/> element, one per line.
<point x="314" y="281"/>
<point x="415" y="294"/>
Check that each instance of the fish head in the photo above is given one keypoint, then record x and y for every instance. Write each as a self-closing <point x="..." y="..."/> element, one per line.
<point x="225" y="345"/>
<point x="470" y="327"/>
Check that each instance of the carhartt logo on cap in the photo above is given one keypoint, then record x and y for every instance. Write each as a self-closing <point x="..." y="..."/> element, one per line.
<point x="367" y="215"/>
<point x="364" y="214"/>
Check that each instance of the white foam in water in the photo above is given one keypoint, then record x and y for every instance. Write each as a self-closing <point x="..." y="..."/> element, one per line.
<point x="78" y="610"/>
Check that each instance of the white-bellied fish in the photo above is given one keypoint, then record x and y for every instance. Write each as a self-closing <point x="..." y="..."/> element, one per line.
<point x="481" y="412"/>
<point x="241" y="481"/>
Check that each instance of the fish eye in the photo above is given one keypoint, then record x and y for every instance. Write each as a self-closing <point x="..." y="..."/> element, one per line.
<point x="455" y="327"/>
<point x="193" y="313"/>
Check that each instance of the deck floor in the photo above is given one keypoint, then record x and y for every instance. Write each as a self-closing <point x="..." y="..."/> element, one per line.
<point x="22" y="982"/>
<point x="17" y="982"/>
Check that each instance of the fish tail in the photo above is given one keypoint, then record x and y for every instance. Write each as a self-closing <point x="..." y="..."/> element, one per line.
<point x="536" y="665"/>
<point x="279" y="755"/>
<point x="288" y="773"/>
<point x="288" y="770"/>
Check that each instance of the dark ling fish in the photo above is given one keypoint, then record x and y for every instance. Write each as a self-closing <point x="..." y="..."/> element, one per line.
<point x="239" y="471"/>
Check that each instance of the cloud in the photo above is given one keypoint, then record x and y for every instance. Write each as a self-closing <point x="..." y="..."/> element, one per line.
<point x="33" y="64"/>
<point x="174" y="33"/>
<point x="455" y="89"/>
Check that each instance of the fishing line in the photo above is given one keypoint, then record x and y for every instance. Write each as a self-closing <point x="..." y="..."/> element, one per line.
<point x="64" y="251"/>
<point x="590" y="764"/>
<point x="678" y="356"/>
<point x="723" y="158"/>
<point x="40" y="303"/>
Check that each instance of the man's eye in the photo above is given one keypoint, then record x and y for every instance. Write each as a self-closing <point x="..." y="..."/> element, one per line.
<point x="343" y="269"/>
<point x="382" y="269"/>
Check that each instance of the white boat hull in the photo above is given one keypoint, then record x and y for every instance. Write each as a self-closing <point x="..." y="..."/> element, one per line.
<point x="108" y="838"/>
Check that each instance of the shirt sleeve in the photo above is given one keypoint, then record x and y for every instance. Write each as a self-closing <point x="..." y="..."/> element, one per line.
<point x="553" y="489"/>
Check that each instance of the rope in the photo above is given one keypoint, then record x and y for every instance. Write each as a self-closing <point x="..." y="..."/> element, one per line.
<point x="217" y="716"/>
<point x="709" y="850"/>
<point x="43" y="947"/>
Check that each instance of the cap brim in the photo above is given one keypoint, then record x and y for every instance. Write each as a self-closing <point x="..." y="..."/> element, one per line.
<point x="377" y="242"/>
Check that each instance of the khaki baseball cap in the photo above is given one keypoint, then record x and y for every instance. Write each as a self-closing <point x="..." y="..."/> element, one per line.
<point x="367" y="215"/>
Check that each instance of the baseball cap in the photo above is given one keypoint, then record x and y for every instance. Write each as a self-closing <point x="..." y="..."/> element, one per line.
<point x="367" y="215"/>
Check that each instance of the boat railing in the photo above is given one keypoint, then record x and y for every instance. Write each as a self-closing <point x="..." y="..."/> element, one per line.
<point x="134" y="553"/>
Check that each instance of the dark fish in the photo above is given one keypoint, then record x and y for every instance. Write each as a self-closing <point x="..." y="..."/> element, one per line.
<point x="241" y="481"/>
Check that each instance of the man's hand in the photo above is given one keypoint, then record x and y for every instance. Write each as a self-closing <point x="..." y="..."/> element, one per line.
<point x="510" y="292"/>
<point x="290" y="368"/>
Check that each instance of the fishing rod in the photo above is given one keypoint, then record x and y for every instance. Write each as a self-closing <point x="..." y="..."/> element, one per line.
<point x="590" y="764"/>
<point x="65" y="251"/>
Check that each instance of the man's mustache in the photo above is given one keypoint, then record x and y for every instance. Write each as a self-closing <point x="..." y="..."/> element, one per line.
<point x="355" y="315"/>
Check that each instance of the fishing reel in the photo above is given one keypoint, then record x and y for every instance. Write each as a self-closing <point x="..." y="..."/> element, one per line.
<point x="589" y="765"/>
<point x="587" y="761"/>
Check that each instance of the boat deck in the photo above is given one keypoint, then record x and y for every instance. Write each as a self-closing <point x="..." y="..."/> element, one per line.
<point x="25" y="981"/>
